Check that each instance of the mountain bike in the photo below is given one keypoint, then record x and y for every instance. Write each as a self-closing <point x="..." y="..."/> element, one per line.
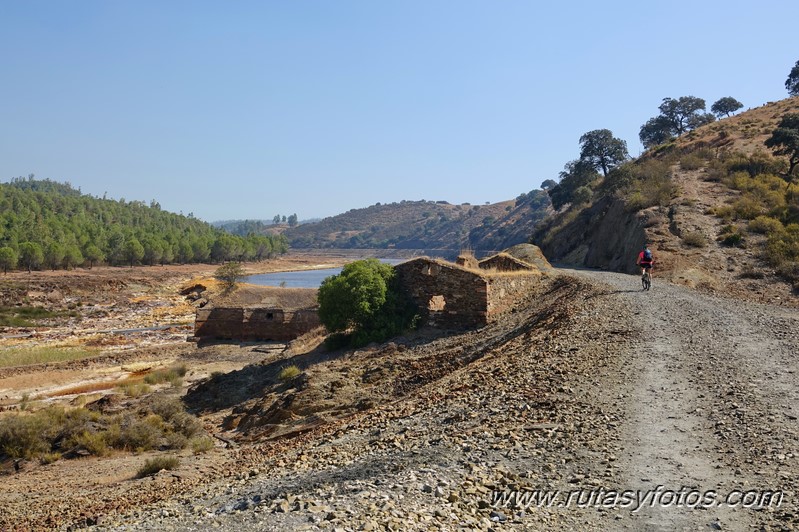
<point x="646" y="280"/>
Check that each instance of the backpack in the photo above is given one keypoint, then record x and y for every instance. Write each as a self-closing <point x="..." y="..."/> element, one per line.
<point x="647" y="255"/>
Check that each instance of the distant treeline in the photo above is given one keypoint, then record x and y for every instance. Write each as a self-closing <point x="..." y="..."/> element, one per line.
<point x="45" y="224"/>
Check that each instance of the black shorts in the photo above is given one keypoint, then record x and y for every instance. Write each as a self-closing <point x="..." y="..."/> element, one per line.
<point x="646" y="265"/>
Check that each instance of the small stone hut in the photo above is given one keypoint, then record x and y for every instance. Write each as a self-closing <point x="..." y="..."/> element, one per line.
<point x="259" y="313"/>
<point x="453" y="296"/>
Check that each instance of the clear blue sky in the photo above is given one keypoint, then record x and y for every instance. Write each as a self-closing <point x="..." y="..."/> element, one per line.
<point x="249" y="109"/>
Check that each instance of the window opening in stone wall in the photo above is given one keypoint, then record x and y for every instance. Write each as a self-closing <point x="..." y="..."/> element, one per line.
<point x="436" y="304"/>
<point x="270" y="316"/>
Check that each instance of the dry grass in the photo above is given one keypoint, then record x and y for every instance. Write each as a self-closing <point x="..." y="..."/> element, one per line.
<point x="89" y="387"/>
<point x="154" y="465"/>
<point x="25" y="356"/>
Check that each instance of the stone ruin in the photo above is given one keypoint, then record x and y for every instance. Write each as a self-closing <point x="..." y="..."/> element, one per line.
<point x="453" y="296"/>
<point x="258" y="313"/>
<point x="449" y="296"/>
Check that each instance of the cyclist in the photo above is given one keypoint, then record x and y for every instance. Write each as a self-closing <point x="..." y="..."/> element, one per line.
<point x="645" y="261"/>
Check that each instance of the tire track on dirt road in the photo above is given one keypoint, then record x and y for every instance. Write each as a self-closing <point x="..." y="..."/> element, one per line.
<point x="712" y="391"/>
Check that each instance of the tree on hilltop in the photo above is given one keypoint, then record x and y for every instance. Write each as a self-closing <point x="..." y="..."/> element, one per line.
<point x="725" y="106"/>
<point x="792" y="83"/>
<point x="683" y="113"/>
<point x="785" y="141"/>
<point x="602" y="150"/>
<point x="676" y="117"/>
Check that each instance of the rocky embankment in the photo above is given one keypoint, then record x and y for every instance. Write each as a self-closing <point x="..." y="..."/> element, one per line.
<point x="592" y="385"/>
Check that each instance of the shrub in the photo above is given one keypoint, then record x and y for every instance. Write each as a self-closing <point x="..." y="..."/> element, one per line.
<point x="154" y="465"/>
<point x="230" y="274"/>
<point x="201" y="444"/>
<point x="185" y="424"/>
<point x="134" y="389"/>
<point x="766" y="225"/>
<point x="691" y="162"/>
<point x="140" y="434"/>
<point x="782" y="248"/>
<point x="652" y="185"/>
<point x="716" y="171"/>
<point x="166" y="406"/>
<point x="24" y="436"/>
<point x="288" y="373"/>
<point x="731" y="236"/>
<point x="172" y="375"/>
<point x="582" y="195"/>
<point x="695" y="239"/>
<point x="366" y="299"/>
<point x="94" y="442"/>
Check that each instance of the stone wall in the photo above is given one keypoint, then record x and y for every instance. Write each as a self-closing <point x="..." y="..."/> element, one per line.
<point x="448" y="296"/>
<point x="504" y="291"/>
<point x="254" y="323"/>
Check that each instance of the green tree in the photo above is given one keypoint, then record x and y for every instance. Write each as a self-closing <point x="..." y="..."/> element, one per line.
<point x="365" y="299"/>
<point x="276" y="219"/>
<point x="602" y="150"/>
<point x="582" y="195"/>
<point x="575" y="174"/>
<point x="548" y="183"/>
<point x="676" y="117"/>
<point x="54" y="255"/>
<point x="93" y="254"/>
<point x="230" y="274"/>
<point x="785" y="141"/>
<point x="72" y="257"/>
<point x="656" y="131"/>
<point x="8" y="258"/>
<point x="682" y="112"/>
<point x="31" y="255"/>
<point x="725" y="106"/>
<point x="292" y="220"/>
<point x="224" y="248"/>
<point x="184" y="252"/>
<point x="792" y="83"/>
<point x="134" y="251"/>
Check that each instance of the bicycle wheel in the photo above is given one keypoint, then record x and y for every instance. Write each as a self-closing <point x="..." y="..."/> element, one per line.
<point x="647" y="281"/>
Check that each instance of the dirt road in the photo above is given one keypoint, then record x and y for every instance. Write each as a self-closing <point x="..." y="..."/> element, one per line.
<point x="711" y="398"/>
<point x="591" y="394"/>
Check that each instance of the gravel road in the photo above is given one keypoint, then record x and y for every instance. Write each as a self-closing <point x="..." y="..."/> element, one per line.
<point x="592" y="385"/>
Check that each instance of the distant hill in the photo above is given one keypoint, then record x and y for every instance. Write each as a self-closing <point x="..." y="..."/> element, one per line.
<point x="428" y="225"/>
<point x="45" y="224"/>
<point x="256" y="227"/>
<point x="715" y="204"/>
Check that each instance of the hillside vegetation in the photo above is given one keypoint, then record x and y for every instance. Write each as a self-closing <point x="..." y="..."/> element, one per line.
<point x="429" y="225"/>
<point x="718" y="206"/>
<point x="45" y="224"/>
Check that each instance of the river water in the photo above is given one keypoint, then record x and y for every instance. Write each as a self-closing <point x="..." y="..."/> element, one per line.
<point x="301" y="279"/>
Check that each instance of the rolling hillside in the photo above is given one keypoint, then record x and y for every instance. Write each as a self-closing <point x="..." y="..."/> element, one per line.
<point x="715" y="204"/>
<point x="429" y="225"/>
<point x="45" y="224"/>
